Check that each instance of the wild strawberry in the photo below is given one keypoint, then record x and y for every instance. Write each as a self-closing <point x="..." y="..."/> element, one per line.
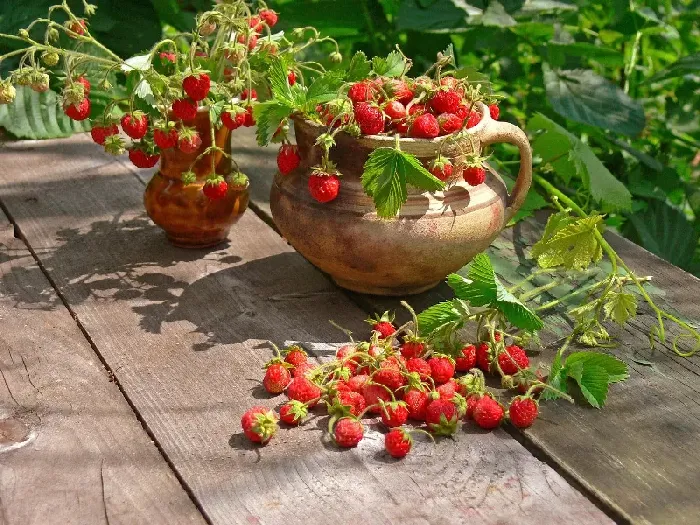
<point x="324" y="186"/>
<point x="441" y="417"/>
<point x="135" y="124"/>
<point x="467" y="359"/>
<point x="291" y="78"/>
<point x="442" y="368"/>
<point x="484" y="356"/>
<point x="207" y="28"/>
<point x="471" y="383"/>
<point x="397" y="443"/>
<point x="395" y="110"/>
<point x="141" y="159"/>
<point x="472" y="400"/>
<point x="252" y="93"/>
<point x="369" y="118"/>
<point x="417" y="109"/>
<point x="293" y="412"/>
<point x="165" y="139"/>
<point x="488" y="412"/>
<point x="79" y="111"/>
<point x="416" y="403"/>
<point x="232" y="119"/>
<point x="399" y="90"/>
<point x="77" y="26"/>
<point x="288" y="158"/>
<point x="185" y="109"/>
<point x="167" y="57"/>
<point x="361" y="92"/>
<point x="100" y="133"/>
<point x="372" y="394"/>
<point x="473" y="120"/>
<point x="303" y="369"/>
<point x="197" y="86"/>
<point x="354" y="402"/>
<point x="86" y="84"/>
<point x="448" y="389"/>
<point x="394" y="413"/>
<point x="449" y="123"/>
<point x="255" y="23"/>
<point x="523" y="411"/>
<point x="462" y="111"/>
<point x="383" y="324"/>
<point x="441" y="168"/>
<point x="304" y="390"/>
<point x="453" y="84"/>
<point x="445" y="101"/>
<point x="396" y="362"/>
<point x="412" y="348"/>
<point x="525" y="379"/>
<point x="420" y="366"/>
<point x="390" y="377"/>
<point x="295" y="355"/>
<point x="474" y="175"/>
<point x="250" y="41"/>
<point x="401" y="126"/>
<point x="216" y="189"/>
<point x="269" y="17"/>
<point x="249" y="119"/>
<point x="348" y="432"/>
<point x="259" y="424"/>
<point x="7" y="92"/>
<point x="277" y="377"/>
<point x="425" y="127"/>
<point x="357" y="383"/>
<point x="513" y="360"/>
<point x="494" y="111"/>
<point x="189" y="141"/>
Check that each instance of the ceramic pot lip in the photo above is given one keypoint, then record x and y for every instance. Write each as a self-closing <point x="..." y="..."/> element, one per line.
<point x="378" y="141"/>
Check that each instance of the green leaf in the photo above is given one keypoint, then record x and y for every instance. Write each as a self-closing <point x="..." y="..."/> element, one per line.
<point x="496" y="16"/>
<point x="393" y="65"/>
<point x="684" y="66"/>
<point x="574" y="246"/>
<point x="359" y="67"/>
<point x="437" y="316"/>
<point x="604" y="55"/>
<point x="281" y="90"/>
<point x="515" y="311"/>
<point x="386" y="174"/>
<point x="324" y="88"/>
<point x="568" y="155"/>
<point x="38" y="116"/>
<point x="557" y="379"/>
<point x="268" y="116"/>
<point x="592" y="380"/>
<point x="582" y="96"/>
<point x="439" y="15"/>
<point x="617" y="370"/>
<point x="620" y="307"/>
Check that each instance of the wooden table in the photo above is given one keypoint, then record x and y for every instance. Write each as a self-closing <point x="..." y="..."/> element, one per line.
<point x="126" y="364"/>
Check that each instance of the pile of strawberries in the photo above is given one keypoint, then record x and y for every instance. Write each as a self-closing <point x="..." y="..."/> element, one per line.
<point x="397" y="377"/>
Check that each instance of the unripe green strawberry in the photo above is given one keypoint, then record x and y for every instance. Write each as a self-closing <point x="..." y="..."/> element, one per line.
<point x="49" y="58"/>
<point x="7" y="92"/>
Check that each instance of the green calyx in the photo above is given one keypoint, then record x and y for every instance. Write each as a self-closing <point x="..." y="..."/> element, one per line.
<point x="298" y="409"/>
<point x="189" y="177"/>
<point x="238" y="180"/>
<point x="473" y="382"/>
<point x="265" y="425"/>
<point x="114" y="145"/>
<point x="446" y="427"/>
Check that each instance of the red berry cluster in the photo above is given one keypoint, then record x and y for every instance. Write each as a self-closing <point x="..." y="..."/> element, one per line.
<point x="397" y="377"/>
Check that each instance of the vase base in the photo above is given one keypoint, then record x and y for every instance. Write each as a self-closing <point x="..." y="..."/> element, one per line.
<point x="197" y="242"/>
<point x="393" y="291"/>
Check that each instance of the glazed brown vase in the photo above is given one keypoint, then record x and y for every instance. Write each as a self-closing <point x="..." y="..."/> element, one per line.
<point x="434" y="234"/>
<point x="189" y="218"/>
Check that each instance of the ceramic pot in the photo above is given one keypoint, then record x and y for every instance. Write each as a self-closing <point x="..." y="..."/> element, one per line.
<point x="189" y="218"/>
<point x="433" y="235"/>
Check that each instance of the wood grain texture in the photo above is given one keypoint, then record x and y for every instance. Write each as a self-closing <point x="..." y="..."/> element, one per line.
<point x="71" y="449"/>
<point x="638" y="456"/>
<point x="185" y="333"/>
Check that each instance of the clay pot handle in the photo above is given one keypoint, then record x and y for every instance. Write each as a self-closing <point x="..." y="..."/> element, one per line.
<point x="497" y="131"/>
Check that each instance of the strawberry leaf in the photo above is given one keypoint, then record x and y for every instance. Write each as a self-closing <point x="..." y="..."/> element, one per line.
<point x="617" y="370"/>
<point x="281" y="90"/>
<point x="359" y="67"/>
<point x="593" y="381"/>
<point x="323" y="89"/>
<point x="620" y="307"/>
<point x="268" y="116"/>
<point x="573" y="246"/>
<point x="437" y="316"/>
<point x="394" y="65"/>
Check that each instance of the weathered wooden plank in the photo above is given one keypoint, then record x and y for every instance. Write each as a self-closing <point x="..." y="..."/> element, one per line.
<point x="185" y="335"/>
<point x="71" y="449"/>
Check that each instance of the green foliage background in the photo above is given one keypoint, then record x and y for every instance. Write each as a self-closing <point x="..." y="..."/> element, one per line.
<point x="607" y="89"/>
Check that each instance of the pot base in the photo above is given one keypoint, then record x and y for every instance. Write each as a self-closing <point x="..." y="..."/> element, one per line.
<point x="393" y="291"/>
<point x="197" y="242"/>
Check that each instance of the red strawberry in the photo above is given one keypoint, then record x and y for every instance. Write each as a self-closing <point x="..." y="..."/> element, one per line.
<point x="189" y="142"/>
<point x="304" y="390"/>
<point x="425" y="127"/>
<point x="216" y="189"/>
<point x="348" y="432"/>
<point x="249" y="119"/>
<point x="467" y="360"/>
<point x="369" y="118"/>
<point x="135" y="124"/>
<point x="291" y="78"/>
<point x="295" y="356"/>
<point x="410" y="349"/>
<point x="323" y="186"/>
<point x="471" y="405"/>
<point x="259" y="424"/>
<point x="372" y="394"/>
<point x="441" y="417"/>
<point x="302" y="369"/>
<point x="394" y="413"/>
<point x="484" y="356"/>
<point x="165" y="139"/>
<point x="523" y="411"/>
<point x="420" y="366"/>
<point x="442" y="368"/>
<point x="473" y="120"/>
<point x="77" y="26"/>
<point x="488" y="412"/>
<point x="141" y="159"/>
<point x="100" y="133"/>
<point x="185" y="109"/>
<point x="474" y="175"/>
<point x="293" y="412"/>
<point x="361" y="92"/>
<point x="448" y="389"/>
<point x="445" y="101"/>
<point x="395" y="110"/>
<point x="168" y="57"/>
<point x="353" y="400"/>
<point x="399" y="90"/>
<point x="277" y="377"/>
<point x="269" y="17"/>
<point x="524" y="384"/>
<point x="449" y="123"/>
<point x="232" y="119"/>
<point x="197" y="86"/>
<point x="250" y="41"/>
<point x="86" y="84"/>
<point x="253" y="94"/>
<point x="288" y="158"/>
<point x="383" y="324"/>
<point x="357" y="383"/>
<point x="255" y="23"/>
<point x="390" y="377"/>
<point x="416" y="403"/>
<point x="441" y="169"/>
<point x="417" y="109"/>
<point x="494" y="111"/>
<point x="397" y="443"/>
<point x="462" y="111"/>
<point x="79" y="111"/>
<point x="513" y="360"/>
<point x="453" y="84"/>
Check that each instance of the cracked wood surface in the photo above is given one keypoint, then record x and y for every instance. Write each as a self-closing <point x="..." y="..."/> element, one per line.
<point x="185" y="335"/>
